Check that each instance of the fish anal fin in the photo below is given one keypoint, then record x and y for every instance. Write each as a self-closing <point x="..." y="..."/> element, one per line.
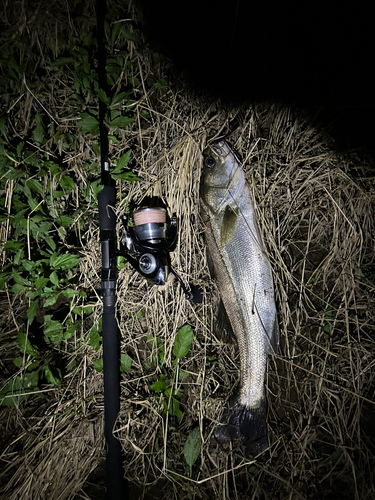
<point x="223" y="327"/>
<point x="210" y="264"/>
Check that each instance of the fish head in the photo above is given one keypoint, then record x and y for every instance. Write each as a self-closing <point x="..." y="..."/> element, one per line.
<point x="222" y="178"/>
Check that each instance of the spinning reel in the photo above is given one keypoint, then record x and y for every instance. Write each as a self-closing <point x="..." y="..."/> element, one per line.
<point x="149" y="239"/>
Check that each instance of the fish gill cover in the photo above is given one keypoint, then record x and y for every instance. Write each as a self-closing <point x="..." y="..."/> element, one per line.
<point x="314" y="205"/>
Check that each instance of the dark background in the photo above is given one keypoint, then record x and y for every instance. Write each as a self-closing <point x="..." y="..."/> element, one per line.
<point x="318" y="57"/>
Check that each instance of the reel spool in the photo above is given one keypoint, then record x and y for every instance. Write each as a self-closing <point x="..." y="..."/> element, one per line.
<point x="151" y="224"/>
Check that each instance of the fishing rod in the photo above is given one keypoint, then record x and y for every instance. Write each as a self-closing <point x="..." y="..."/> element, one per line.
<point x="115" y="482"/>
<point x="150" y="235"/>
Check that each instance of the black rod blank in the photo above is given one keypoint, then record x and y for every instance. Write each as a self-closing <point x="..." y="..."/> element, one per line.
<point x="116" y="485"/>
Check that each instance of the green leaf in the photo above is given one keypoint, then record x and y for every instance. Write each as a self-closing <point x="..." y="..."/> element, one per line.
<point x="126" y="176"/>
<point x="65" y="261"/>
<point x="31" y="159"/>
<point x="38" y="133"/>
<point x="20" y="256"/>
<point x="121" y="121"/>
<point x="161" y="84"/>
<point x="192" y="446"/>
<point x="328" y="315"/>
<point x="18" y="361"/>
<point x="173" y="407"/>
<point x="115" y="32"/>
<point x="3" y="128"/>
<point x="67" y="183"/>
<point x="182" y="375"/>
<point x="62" y="232"/>
<point x="122" y="162"/>
<point x="160" y="385"/>
<point x="53" y="375"/>
<point x="64" y="221"/>
<point x="54" y="278"/>
<point x="40" y="282"/>
<point x="53" y="330"/>
<point x="39" y="218"/>
<point x="50" y="242"/>
<point x="19" y="216"/>
<point x="126" y="363"/>
<point x="69" y="332"/>
<point x="113" y="70"/>
<point x="4" y="277"/>
<point x="30" y="381"/>
<point x="70" y="292"/>
<point x="13" y="245"/>
<point x="95" y="338"/>
<point x="31" y="312"/>
<point x="103" y="96"/>
<point x="18" y="388"/>
<point x="61" y="61"/>
<point x="254" y="471"/>
<point x="33" y="366"/>
<point x="17" y="289"/>
<point x="19" y="148"/>
<point x="130" y="36"/>
<point x="26" y="346"/>
<point x="58" y="194"/>
<point x="51" y="299"/>
<point x="130" y="177"/>
<point x="88" y="124"/>
<point x="119" y="98"/>
<point x="20" y="279"/>
<point x="171" y="392"/>
<point x="98" y="365"/>
<point x="183" y="341"/>
<point x="32" y="202"/>
<point x="107" y="30"/>
<point x="52" y="167"/>
<point x="71" y="365"/>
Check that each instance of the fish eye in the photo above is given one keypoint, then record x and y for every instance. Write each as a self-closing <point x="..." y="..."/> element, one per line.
<point x="209" y="162"/>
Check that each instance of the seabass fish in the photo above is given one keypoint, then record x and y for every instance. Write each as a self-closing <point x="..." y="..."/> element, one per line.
<point x="245" y="282"/>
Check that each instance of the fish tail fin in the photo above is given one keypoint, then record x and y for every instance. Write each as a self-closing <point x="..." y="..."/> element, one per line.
<point x="247" y="424"/>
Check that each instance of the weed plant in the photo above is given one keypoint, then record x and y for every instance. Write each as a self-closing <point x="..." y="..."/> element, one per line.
<point x="314" y="205"/>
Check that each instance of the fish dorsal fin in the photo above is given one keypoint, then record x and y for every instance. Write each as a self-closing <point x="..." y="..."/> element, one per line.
<point x="228" y="225"/>
<point x="223" y="328"/>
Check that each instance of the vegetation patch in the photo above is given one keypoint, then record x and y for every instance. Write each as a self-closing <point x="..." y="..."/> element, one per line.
<point x="315" y="207"/>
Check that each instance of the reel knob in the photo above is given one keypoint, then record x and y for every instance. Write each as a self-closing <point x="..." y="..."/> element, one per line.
<point x="147" y="263"/>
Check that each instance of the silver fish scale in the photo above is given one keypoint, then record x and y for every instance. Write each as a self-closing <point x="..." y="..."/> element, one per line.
<point x="243" y="272"/>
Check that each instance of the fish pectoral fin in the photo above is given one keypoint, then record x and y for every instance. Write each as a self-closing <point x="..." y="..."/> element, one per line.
<point x="223" y="328"/>
<point x="228" y="225"/>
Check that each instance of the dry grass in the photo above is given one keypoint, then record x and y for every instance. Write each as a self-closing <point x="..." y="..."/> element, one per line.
<point x="315" y="209"/>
